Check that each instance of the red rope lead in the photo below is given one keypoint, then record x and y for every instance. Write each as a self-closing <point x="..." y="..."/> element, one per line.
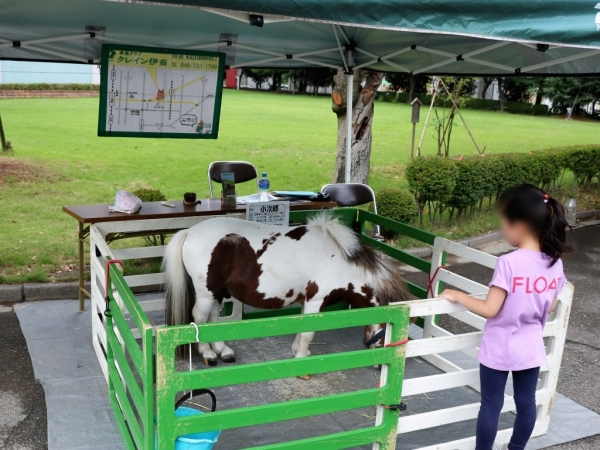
<point x="432" y="280"/>
<point x="396" y="344"/>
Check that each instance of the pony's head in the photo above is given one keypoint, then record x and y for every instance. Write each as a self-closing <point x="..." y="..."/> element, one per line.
<point x="374" y="335"/>
<point x="378" y="279"/>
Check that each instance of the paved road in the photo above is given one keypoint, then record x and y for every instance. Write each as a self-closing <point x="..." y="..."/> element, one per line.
<point x="581" y="360"/>
<point x="22" y="402"/>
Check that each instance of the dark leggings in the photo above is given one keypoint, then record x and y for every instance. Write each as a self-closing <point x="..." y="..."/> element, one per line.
<point x="493" y="383"/>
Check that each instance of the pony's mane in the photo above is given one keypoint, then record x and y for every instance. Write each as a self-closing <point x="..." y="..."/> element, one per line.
<point x="385" y="277"/>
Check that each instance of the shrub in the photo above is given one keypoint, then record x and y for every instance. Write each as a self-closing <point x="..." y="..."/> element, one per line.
<point x="386" y="97"/>
<point x="431" y="180"/>
<point x="492" y="167"/>
<point x="584" y="161"/>
<point x="470" y="185"/>
<point x="463" y="184"/>
<point x="148" y="194"/>
<point x="48" y="87"/>
<point x="481" y="104"/>
<point x="397" y="204"/>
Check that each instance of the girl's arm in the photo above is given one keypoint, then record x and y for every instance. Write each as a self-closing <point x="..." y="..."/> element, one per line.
<point x="553" y="307"/>
<point x="486" y="308"/>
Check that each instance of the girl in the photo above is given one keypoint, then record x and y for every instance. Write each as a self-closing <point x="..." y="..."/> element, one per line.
<point x="523" y="290"/>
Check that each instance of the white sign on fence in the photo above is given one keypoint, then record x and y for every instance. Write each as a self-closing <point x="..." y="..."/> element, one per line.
<point x="273" y="213"/>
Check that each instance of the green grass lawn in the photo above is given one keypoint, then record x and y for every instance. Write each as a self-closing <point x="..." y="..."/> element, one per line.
<point x="293" y="138"/>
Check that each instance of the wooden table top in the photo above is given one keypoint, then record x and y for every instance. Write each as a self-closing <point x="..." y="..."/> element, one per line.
<point x="154" y="210"/>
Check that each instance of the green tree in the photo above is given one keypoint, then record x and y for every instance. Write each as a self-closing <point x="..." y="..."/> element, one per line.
<point x="460" y="90"/>
<point x="571" y="93"/>
<point x="405" y="82"/>
<point x="259" y="76"/>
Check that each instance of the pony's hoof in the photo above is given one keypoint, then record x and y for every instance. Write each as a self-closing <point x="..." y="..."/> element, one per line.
<point x="304" y="377"/>
<point x="210" y="362"/>
<point x="228" y="358"/>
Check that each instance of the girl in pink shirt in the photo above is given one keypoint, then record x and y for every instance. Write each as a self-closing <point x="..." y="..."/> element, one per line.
<point x="522" y="292"/>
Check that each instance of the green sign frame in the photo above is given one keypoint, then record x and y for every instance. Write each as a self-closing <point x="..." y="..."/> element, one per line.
<point x="176" y="56"/>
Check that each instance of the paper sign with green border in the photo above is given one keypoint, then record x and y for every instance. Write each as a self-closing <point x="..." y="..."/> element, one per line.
<point x="160" y="92"/>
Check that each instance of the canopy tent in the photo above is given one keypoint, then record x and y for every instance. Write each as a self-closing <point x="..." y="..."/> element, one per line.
<point x="467" y="37"/>
<point x="435" y="37"/>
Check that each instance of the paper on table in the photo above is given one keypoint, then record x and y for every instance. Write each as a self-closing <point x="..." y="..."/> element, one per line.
<point x="252" y="199"/>
<point x="296" y="193"/>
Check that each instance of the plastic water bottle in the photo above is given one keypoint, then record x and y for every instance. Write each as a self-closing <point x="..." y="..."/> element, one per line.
<point x="571" y="209"/>
<point x="263" y="187"/>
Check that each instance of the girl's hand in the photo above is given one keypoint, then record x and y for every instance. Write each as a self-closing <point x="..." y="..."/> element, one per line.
<point x="450" y="295"/>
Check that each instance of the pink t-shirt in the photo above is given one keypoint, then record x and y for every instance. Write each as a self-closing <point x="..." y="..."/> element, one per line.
<point x="512" y="340"/>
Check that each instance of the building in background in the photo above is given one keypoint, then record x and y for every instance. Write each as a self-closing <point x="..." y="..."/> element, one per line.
<point x="43" y="72"/>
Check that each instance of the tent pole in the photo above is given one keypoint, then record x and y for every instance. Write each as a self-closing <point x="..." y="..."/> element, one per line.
<point x="349" y="108"/>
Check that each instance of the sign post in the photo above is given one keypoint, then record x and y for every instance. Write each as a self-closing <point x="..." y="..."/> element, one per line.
<point x="416" y="111"/>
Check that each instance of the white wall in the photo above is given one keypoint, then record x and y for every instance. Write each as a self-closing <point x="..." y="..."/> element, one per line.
<point x="41" y="72"/>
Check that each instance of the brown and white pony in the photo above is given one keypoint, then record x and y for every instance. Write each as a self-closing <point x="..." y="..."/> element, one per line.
<point x="270" y="267"/>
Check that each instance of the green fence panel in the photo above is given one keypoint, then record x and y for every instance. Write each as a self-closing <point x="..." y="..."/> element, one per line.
<point x="131" y="394"/>
<point x="170" y="382"/>
<point x="135" y="421"/>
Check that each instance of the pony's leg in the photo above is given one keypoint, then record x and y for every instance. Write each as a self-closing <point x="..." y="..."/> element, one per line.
<point x="201" y="312"/>
<point x="305" y="339"/>
<point x="220" y="348"/>
<point x="296" y="344"/>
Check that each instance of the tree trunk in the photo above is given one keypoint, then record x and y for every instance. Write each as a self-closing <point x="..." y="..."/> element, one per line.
<point x="3" y="142"/>
<point x="538" y="97"/>
<point x="501" y="94"/>
<point x="362" y="119"/>
<point x="573" y="106"/>
<point x="411" y="93"/>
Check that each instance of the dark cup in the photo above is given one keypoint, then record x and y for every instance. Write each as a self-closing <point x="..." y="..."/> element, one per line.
<point x="189" y="198"/>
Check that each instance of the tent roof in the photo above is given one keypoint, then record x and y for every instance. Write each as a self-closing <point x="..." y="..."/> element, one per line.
<point x="468" y="37"/>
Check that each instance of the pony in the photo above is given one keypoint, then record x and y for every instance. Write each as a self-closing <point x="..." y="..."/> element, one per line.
<point x="270" y="267"/>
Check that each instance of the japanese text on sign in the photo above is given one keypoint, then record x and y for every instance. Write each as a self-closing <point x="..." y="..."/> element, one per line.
<point x="272" y="213"/>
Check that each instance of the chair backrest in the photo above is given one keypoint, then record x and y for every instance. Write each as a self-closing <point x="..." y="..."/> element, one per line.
<point x="243" y="170"/>
<point x="350" y="194"/>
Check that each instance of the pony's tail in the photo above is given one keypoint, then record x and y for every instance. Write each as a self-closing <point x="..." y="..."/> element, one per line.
<point x="177" y="283"/>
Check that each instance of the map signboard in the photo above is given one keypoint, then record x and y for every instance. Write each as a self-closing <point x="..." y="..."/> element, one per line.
<point x="153" y="92"/>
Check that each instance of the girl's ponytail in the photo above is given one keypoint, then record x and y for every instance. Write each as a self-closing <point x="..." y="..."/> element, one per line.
<point x="544" y="215"/>
<point x="553" y="240"/>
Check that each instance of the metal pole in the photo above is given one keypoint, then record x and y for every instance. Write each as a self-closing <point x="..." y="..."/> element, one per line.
<point x="349" y="108"/>
<point x="81" y="269"/>
<point x="412" y="146"/>
<point x="435" y="91"/>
